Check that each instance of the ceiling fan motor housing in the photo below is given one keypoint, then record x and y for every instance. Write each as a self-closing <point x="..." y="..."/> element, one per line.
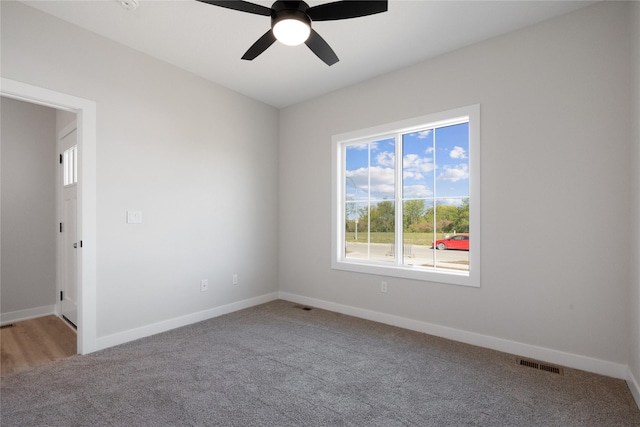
<point x="290" y="10"/>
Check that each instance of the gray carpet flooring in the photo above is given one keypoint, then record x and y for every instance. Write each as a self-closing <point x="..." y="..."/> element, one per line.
<point x="277" y="365"/>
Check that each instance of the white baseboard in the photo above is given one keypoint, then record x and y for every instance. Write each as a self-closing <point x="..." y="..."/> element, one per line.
<point x="602" y="367"/>
<point x="634" y="386"/>
<point x="30" y="313"/>
<point x="167" y="325"/>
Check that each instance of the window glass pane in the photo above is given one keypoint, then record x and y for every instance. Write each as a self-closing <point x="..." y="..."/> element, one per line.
<point x="357" y="231"/>
<point x="452" y="234"/>
<point x="417" y="233"/>
<point x="382" y="178"/>
<point x="452" y="158"/>
<point x="418" y="175"/>
<point x="382" y="219"/>
<point x="369" y="171"/>
<point x="74" y="156"/>
<point x="436" y="172"/>
<point x="369" y="201"/>
<point x="70" y="166"/>
<point x="65" y="168"/>
<point x="357" y="172"/>
<point x="418" y="164"/>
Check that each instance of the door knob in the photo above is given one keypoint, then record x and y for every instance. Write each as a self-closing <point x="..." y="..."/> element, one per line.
<point x="75" y="245"/>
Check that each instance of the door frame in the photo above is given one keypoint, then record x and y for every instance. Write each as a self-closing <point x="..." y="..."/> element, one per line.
<point x="87" y="266"/>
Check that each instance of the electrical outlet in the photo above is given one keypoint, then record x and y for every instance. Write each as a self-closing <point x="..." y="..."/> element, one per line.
<point x="234" y="279"/>
<point x="383" y="287"/>
<point x="204" y="285"/>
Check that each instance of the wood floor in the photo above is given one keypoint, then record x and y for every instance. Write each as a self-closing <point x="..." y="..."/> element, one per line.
<point x="35" y="342"/>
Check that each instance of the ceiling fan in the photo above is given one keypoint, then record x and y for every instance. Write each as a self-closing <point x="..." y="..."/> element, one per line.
<point x="291" y="22"/>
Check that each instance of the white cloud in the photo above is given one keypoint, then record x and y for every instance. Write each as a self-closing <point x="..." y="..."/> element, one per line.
<point x="364" y="146"/>
<point x="424" y="134"/>
<point x="458" y="153"/>
<point x="416" y="191"/>
<point x="359" y="177"/>
<point x="412" y="175"/>
<point x="414" y="163"/>
<point x="381" y="179"/>
<point x="454" y="174"/>
<point x="386" y="158"/>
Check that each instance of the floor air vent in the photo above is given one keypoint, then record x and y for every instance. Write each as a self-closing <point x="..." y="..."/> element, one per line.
<point x="540" y="366"/>
<point x="303" y="307"/>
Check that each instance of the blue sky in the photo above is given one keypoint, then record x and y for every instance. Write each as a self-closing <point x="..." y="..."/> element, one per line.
<point x="451" y="167"/>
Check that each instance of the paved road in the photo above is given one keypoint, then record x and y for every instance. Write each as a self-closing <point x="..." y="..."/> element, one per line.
<point x="417" y="255"/>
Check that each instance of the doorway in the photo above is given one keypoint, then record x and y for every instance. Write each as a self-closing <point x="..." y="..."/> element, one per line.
<point x="68" y="243"/>
<point x="86" y="197"/>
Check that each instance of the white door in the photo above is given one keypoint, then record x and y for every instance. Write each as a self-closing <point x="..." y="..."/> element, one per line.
<point x="69" y="228"/>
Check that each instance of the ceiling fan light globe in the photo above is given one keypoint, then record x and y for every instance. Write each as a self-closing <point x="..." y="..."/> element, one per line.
<point x="291" y="32"/>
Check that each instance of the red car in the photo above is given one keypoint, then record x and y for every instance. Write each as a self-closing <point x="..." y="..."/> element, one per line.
<point x="459" y="241"/>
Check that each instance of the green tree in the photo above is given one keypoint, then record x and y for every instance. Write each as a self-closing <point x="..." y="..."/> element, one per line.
<point x="445" y="218"/>
<point x="461" y="222"/>
<point x="413" y="211"/>
<point x="383" y="217"/>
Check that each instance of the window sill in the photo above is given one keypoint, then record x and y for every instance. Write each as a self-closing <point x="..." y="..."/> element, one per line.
<point x="409" y="272"/>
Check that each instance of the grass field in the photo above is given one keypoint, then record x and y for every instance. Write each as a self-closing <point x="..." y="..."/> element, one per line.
<point x="423" y="239"/>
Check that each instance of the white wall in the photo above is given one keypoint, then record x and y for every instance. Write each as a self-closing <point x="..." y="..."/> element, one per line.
<point x="198" y="160"/>
<point x="634" y="300"/>
<point x="555" y="192"/>
<point x="28" y="228"/>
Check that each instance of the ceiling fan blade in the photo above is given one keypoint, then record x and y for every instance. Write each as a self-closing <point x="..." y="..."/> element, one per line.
<point x="260" y="46"/>
<point x="321" y="48"/>
<point x="242" y="6"/>
<point x="346" y="10"/>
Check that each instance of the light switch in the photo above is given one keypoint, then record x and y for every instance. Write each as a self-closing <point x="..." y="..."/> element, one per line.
<point x="134" y="217"/>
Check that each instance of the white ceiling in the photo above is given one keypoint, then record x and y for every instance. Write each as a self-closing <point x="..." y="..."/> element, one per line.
<point x="209" y="40"/>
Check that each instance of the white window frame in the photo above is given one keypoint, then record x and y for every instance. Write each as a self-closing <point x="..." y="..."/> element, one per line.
<point x="339" y="142"/>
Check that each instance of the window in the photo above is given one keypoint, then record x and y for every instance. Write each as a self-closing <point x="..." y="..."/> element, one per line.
<point x="70" y="166"/>
<point x="406" y="199"/>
